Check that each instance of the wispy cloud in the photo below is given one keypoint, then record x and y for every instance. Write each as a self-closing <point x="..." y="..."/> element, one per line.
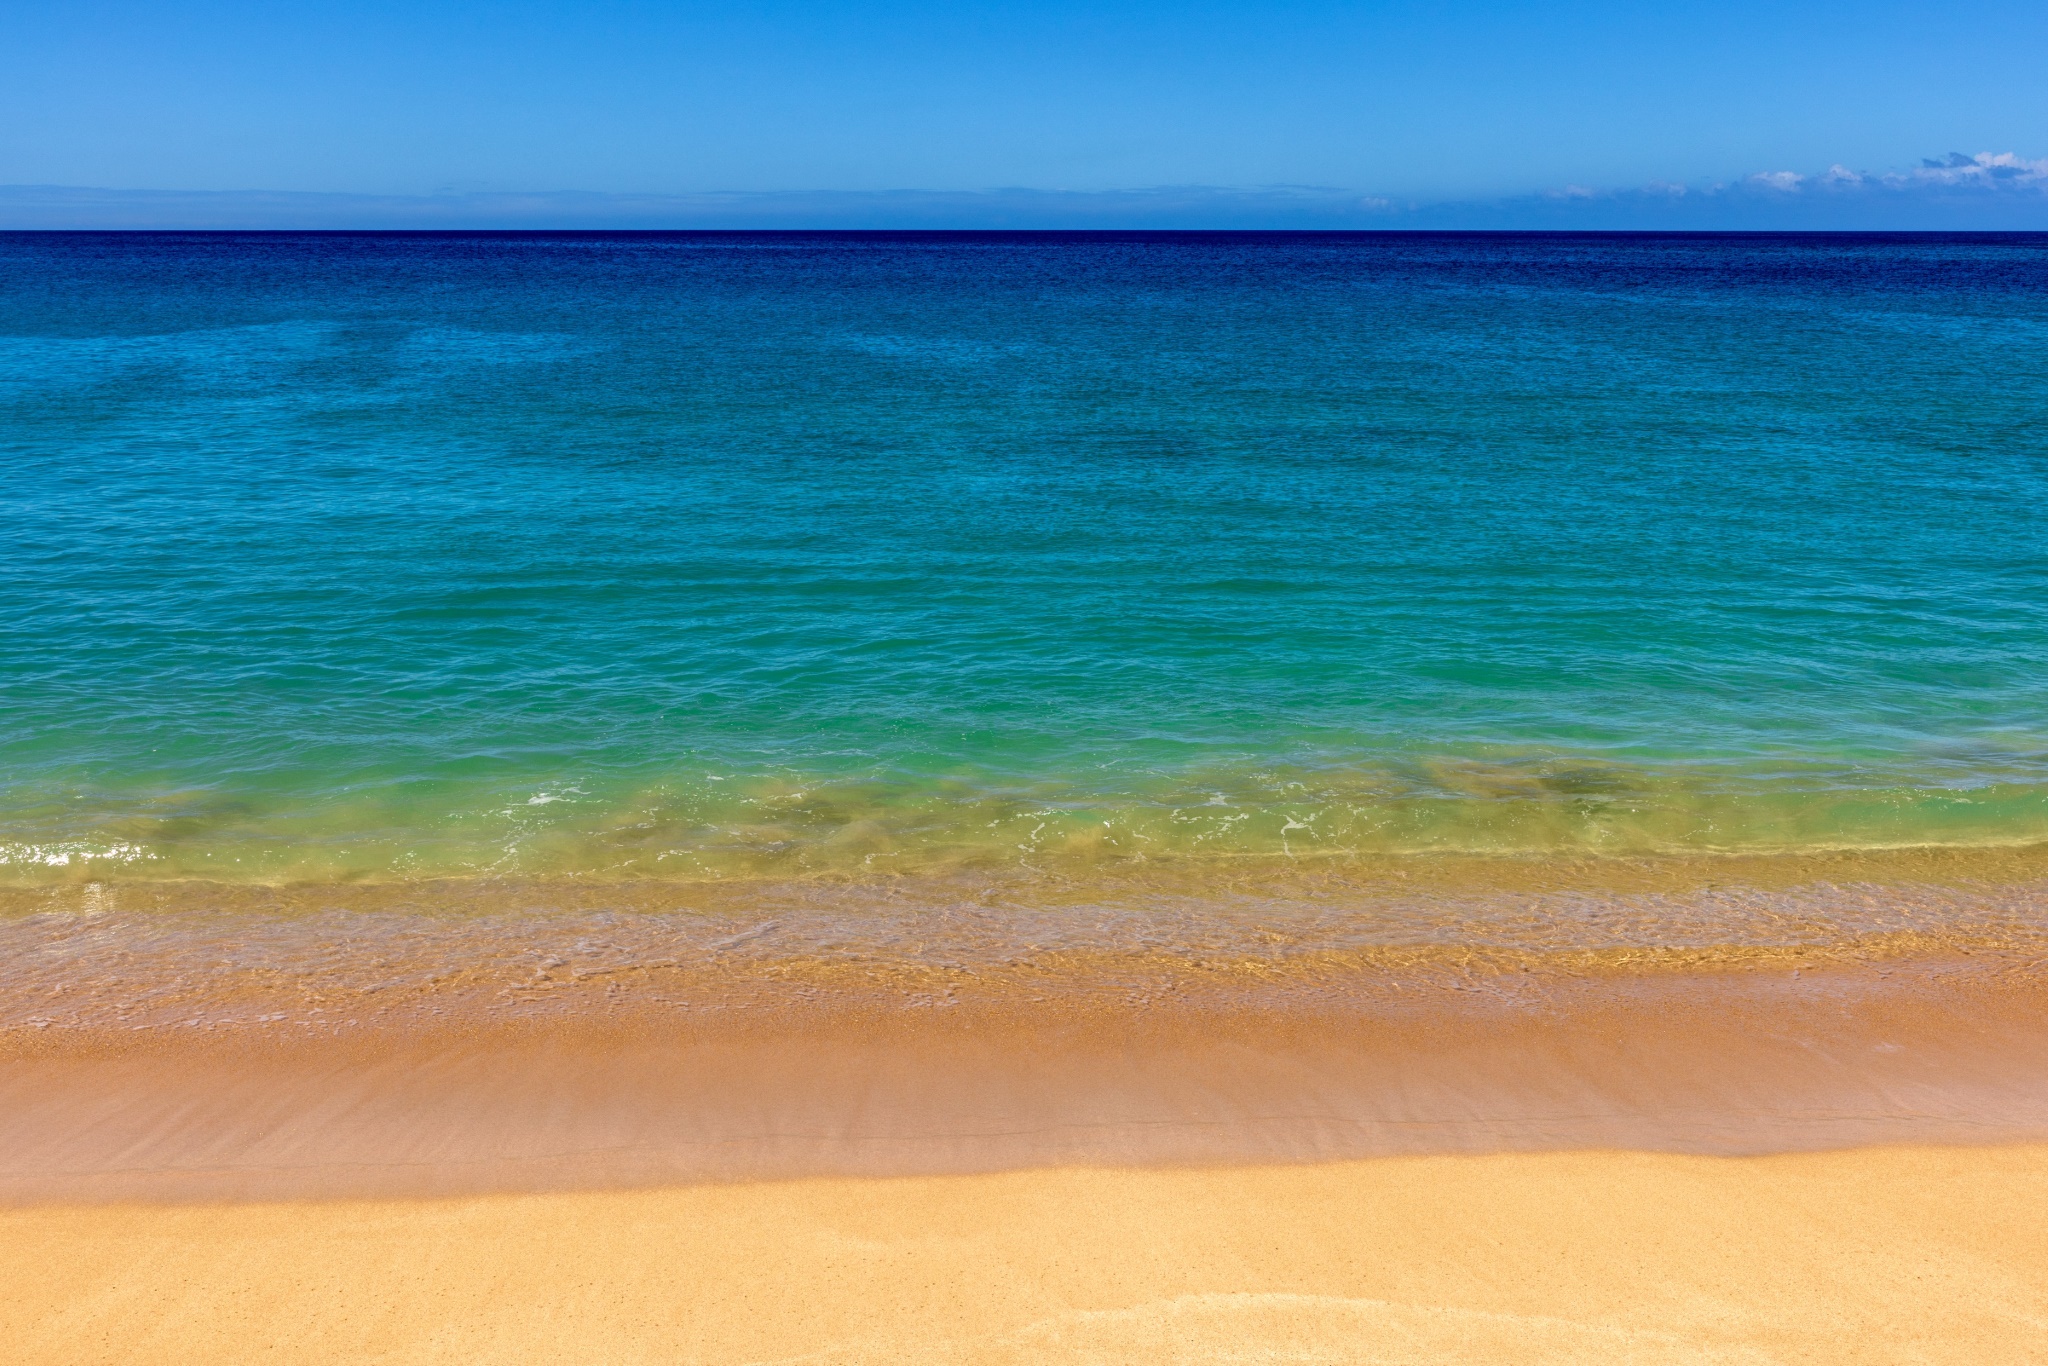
<point x="1960" y="191"/>
<point x="1990" y="172"/>
<point x="2001" y="170"/>
<point x="1985" y="190"/>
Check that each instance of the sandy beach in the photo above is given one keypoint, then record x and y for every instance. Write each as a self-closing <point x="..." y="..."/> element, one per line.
<point x="1804" y="1158"/>
<point x="1880" y="1255"/>
<point x="296" y="1135"/>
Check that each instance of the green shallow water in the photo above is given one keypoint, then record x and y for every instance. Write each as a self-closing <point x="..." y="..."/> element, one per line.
<point x="709" y="556"/>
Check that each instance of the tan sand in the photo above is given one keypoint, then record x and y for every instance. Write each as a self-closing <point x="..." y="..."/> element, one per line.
<point x="1877" y="1255"/>
<point x="315" y="1136"/>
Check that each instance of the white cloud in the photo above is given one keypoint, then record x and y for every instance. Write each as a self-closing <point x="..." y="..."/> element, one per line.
<point x="1990" y="190"/>
<point x="1987" y="170"/>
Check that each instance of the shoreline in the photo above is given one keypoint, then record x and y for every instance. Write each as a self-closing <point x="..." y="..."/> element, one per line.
<point x="203" y="1041"/>
<point x="114" y="957"/>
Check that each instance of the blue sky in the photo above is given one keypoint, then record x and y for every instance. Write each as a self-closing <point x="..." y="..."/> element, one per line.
<point x="1418" y="104"/>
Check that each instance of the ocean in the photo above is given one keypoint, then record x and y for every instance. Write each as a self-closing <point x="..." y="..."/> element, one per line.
<point x="367" y="558"/>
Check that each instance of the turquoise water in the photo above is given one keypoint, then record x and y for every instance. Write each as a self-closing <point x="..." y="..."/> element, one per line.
<point x="703" y="555"/>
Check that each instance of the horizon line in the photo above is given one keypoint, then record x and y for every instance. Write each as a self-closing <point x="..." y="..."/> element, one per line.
<point x="1982" y="194"/>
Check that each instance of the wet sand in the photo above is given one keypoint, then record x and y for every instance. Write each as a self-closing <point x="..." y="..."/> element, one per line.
<point x="872" y="1082"/>
<point x="1875" y="1255"/>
